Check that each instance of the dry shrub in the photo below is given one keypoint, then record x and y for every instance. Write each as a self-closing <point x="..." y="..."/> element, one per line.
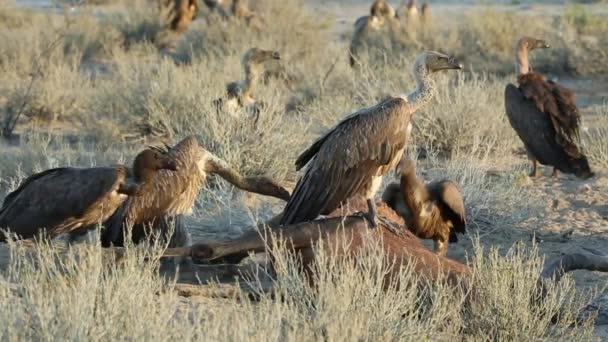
<point x="594" y="136"/>
<point x="74" y="294"/>
<point x="509" y="304"/>
<point x="467" y="117"/>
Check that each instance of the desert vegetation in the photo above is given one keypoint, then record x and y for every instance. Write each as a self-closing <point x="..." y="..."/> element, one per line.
<point x="90" y="84"/>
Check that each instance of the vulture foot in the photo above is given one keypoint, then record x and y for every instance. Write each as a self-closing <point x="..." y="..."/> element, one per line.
<point x="441" y="247"/>
<point x="555" y="173"/>
<point x="535" y="170"/>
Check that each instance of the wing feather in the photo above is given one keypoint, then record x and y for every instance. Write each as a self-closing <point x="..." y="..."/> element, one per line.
<point x="347" y="158"/>
<point x="537" y="131"/>
<point x="58" y="199"/>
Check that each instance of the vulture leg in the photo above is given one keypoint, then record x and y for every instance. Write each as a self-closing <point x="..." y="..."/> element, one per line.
<point x="441" y="247"/>
<point x="535" y="170"/>
<point x="372" y="214"/>
<point x="555" y="173"/>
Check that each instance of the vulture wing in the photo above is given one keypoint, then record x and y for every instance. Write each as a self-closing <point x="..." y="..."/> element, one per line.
<point x="59" y="200"/>
<point x="528" y="115"/>
<point x="347" y="158"/>
<point x="448" y="194"/>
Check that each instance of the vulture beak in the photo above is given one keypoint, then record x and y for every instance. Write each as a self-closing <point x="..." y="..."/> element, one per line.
<point x="453" y="63"/>
<point x="276" y="55"/>
<point x="543" y="44"/>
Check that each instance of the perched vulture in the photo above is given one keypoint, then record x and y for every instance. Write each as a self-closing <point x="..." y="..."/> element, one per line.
<point x="381" y="12"/>
<point x="241" y="11"/>
<point x="240" y="94"/>
<point x="65" y="199"/>
<point x="432" y="211"/>
<point x="169" y="195"/>
<point x="353" y="156"/>
<point x="545" y="117"/>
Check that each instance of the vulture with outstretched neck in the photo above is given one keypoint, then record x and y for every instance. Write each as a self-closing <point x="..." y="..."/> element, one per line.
<point x="545" y="116"/>
<point x="169" y="195"/>
<point x="432" y="211"/>
<point x="240" y="94"/>
<point x="353" y="156"/>
<point x="66" y="199"/>
<point x="381" y="13"/>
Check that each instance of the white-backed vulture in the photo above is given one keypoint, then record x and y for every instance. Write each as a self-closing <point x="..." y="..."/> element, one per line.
<point x="353" y="156"/>
<point x="409" y="10"/>
<point x="432" y="211"/>
<point x="381" y="13"/>
<point x="172" y="194"/>
<point x="545" y="116"/>
<point x="240" y="94"/>
<point x="65" y="199"/>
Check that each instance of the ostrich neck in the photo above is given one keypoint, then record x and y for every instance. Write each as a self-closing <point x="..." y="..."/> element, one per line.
<point x="425" y="89"/>
<point x="522" y="65"/>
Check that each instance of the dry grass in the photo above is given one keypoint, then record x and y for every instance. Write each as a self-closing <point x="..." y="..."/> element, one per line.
<point x="53" y="294"/>
<point x="91" y="87"/>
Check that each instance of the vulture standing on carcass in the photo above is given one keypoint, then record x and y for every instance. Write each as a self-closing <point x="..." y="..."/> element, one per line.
<point x="381" y="12"/>
<point x="169" y="195"/>
<point x="545" y="117"/>
<point x="432" y="211"/>
<point x="66" y="199"/>
<point x="353" y="156"/>
<point x="240" y="94"/>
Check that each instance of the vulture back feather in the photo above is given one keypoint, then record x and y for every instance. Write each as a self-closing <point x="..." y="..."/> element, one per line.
<point x="546" y="118"/>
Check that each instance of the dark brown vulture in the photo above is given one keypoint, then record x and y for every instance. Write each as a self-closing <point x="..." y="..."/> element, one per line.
<point x="169" y="195"/>
<point x="65" y="199"/>
<point x="240" y="94"/>
<point x="432" y="211"/>
<point x="545" y="117"/>
<point x="353" y="156"/>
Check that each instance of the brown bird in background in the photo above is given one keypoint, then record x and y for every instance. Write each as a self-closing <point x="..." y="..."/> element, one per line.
<point x="545" y="117"/>
<point x="65" y="199"/>
<point x="353" y="156"/>
<point x="169" y="195"/>
<point x="432" y="211"/>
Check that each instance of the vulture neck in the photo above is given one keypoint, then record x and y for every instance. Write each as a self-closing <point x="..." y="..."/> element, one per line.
<point x="425" y="87"/>
<point x="143" y="174"/>
<point x="414" y="192"/>
<point x="252" y="77"/>
<point x="522" y="65"/>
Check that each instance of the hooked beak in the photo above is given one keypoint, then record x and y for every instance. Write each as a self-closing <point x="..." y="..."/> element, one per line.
<point x="276" y="55"/>
<point x="543" y="44"/>
<point x="453" y="63"/>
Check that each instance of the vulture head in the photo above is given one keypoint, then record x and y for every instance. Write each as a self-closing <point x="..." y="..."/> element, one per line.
<point x="433" y="61"/>
<point x="529" y="44"/>
<point x="381" y="9"/>
<point x="151" y="160"/>
<point x="259" y="56"/>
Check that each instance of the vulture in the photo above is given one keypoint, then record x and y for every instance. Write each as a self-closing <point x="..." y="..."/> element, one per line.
<point x="432" y="211"/>
<point x="410" y="9"/>
<point x="240" y="94"/>
<point x="169" y="195"/>
<point x="353" y="156"/>
<point x="545" y="117"/>
<point x="381" y="12"/>
<point x="182" y="14"/>
<point x="241" y="11"/>
<point x="65" y="199"/>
